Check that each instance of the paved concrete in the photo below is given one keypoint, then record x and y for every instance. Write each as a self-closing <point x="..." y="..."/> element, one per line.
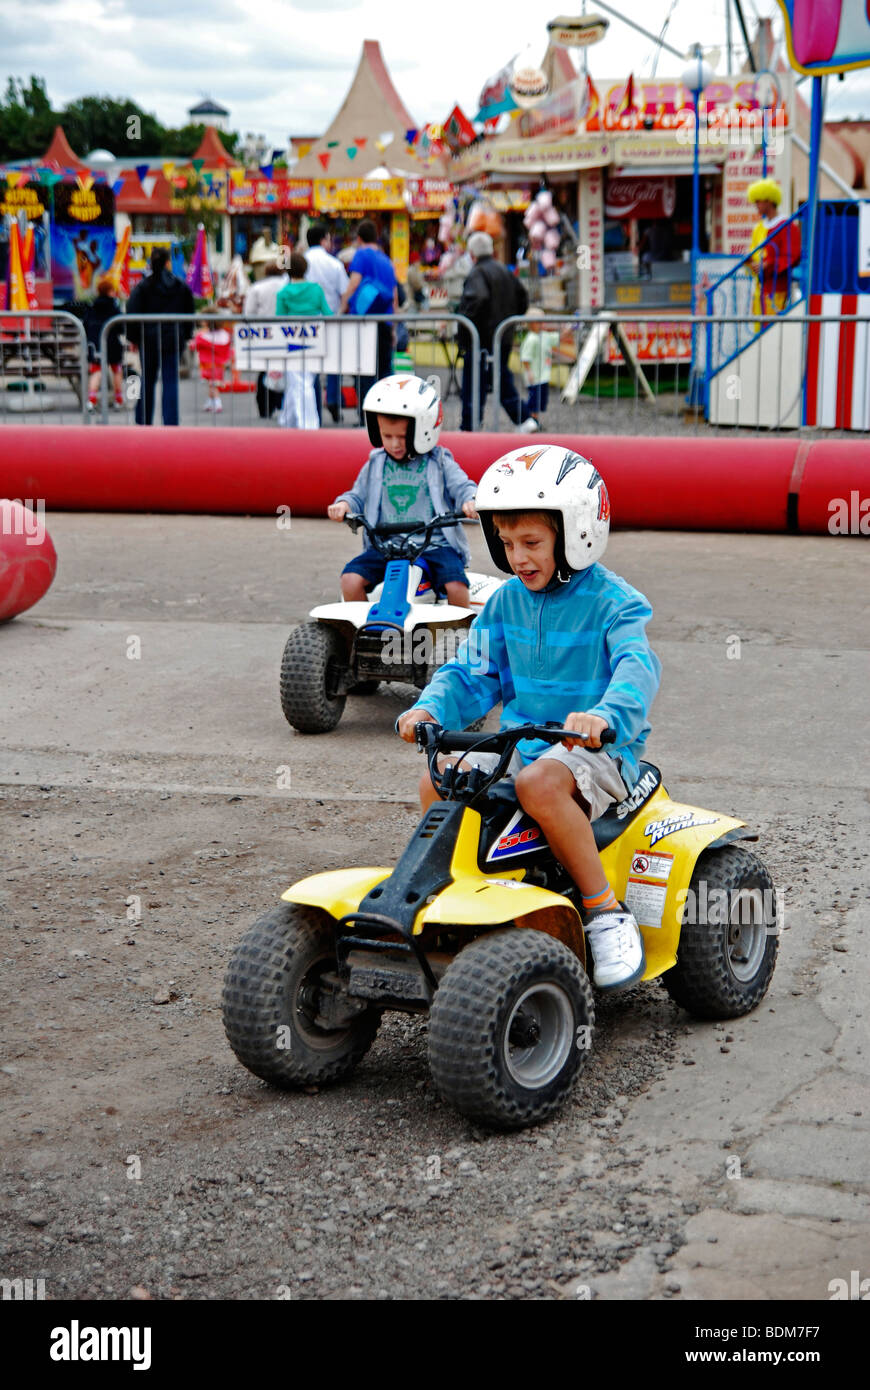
<point x="758" y="1131"/>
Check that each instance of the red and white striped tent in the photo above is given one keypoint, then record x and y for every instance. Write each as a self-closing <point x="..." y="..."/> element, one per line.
<point x="838" y="363"/>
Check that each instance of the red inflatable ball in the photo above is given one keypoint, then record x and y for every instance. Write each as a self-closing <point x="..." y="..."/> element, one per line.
<point x="27" y="558"/>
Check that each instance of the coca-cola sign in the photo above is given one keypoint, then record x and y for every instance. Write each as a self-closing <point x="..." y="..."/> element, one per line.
<point x="640" y="197"/>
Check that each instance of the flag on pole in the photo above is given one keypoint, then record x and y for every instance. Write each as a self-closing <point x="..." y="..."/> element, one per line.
<point x="458" y="130"/>
<point x="28" y="256"/>
<point x="119" y="270"/>
<point x="16" y="291"/>
<point x="627" y="102"/>
<point x="199" y="276"/>
<point x="590" y="102"/>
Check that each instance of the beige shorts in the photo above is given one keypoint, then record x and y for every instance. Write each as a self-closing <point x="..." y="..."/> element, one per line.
<point x="596" y="774"/>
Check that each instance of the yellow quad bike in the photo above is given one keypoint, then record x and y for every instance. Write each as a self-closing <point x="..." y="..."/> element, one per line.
<point x="478" y="926"/>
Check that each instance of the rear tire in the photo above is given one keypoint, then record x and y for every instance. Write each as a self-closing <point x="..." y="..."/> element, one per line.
<point x="313" y="657"/>
<point x="270" y="1003"/>
<point x="510" y="1028"/>
<point x="728" y="940"/>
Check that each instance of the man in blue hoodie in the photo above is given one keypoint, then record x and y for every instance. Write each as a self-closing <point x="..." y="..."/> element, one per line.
<point x="564" y="640"/>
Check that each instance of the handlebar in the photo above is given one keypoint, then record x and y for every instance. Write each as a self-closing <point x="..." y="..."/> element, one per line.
<point x="416" y="536"/>
<point x="472" y="783"/>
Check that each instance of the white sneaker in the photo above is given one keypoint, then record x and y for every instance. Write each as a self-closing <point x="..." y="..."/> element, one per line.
<point x="529" y="426"/>
<point x="617" y="948"/>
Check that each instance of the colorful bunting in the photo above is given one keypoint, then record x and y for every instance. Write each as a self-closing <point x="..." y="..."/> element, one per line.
<point x="331" y="144"/>
<point x="197" y="164"/>
<point x="49" y="177"/>
<point x="304" y="150"/>
<point x="168" y="170"/>
<point x="411" y="136"/>
<point x="267" y="170"/>
<point x="361" y="143"/>
<point x="324" y="159"/>
<point x="199" y="277"/>
<point x="13" y="178"/>
<point x="141" y="172"/>
<point x="237" y="176"/>
<point x="85" y="182"/>
<point x="351" y="151"/>
<point x="117" y="186"/>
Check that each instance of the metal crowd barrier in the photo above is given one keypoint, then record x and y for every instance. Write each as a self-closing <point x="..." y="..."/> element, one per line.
<point x="42" y="349"/>
<point x="757" y="390"/>
<point x="434" y="349"/>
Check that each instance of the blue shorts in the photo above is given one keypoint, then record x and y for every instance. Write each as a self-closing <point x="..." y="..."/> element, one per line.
<point x="444" y="564"/>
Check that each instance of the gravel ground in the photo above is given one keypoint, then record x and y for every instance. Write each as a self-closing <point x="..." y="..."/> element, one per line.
<point x="140" y="1160"/>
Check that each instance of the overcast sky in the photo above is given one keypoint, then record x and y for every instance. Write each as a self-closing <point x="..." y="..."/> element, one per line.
<point x="283" y="66"/>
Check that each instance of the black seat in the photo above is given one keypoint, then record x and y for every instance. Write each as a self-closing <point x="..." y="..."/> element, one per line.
<point x="608" y="827"/>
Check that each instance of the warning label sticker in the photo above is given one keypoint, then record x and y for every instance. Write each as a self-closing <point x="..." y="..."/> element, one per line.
<point x="646" y="901"/>
<point x="654" y="866"/>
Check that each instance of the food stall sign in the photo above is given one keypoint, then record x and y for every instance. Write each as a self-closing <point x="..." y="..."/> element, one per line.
<point x="577" y="31"/>
<point x="358" y="195"/>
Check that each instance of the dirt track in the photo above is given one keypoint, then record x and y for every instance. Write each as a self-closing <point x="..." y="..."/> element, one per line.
<point x="156" y="779"/>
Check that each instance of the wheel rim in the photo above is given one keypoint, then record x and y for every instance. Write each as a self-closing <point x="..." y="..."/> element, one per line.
<point x="306" y="1006"/>
<point x="539" y="1036"/>
<point x="747" y="935"/>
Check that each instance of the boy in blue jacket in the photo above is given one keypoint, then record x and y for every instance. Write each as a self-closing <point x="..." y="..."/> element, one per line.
<point x="408" y="477"/>
<point x="564" y="639"/>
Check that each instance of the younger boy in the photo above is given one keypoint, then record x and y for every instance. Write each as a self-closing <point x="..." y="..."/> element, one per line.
<point x="410" y="478"/>
<point x="563" y="640"/>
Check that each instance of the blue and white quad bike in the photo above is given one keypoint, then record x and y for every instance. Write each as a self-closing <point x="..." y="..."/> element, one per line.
<point x="402" y="633"/>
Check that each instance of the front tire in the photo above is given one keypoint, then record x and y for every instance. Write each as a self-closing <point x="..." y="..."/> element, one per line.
<point x="270" y="1003"/>
<point x="728" y="939"/>
<point x="313" y="659"/>
<point x="510" y="1028"/>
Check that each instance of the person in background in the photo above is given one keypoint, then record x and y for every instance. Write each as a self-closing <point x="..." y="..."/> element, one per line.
<point x="263" y="251"/>
<point x="536" y="355"/>
<point x="104" y="307"/>
<point x="261" y="301"/>
<point x="372" y="289"/>
<point x="300" y="296"/>
<point x="491" y="295"/>
<point x="160" y="344"/>
<point x="213" y="345"/>
<point x="417" y="281"/>
<point x="327" y="271"/>
<point x="774" y="268"/>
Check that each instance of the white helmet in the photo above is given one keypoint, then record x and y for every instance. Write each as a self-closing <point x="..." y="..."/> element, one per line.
<point x="407" y="395"/>
<point x="548" y="478"/>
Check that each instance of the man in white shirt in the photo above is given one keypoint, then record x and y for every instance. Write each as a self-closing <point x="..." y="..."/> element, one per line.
<point x="261" y="302"/>
<point x="328" y="272"/>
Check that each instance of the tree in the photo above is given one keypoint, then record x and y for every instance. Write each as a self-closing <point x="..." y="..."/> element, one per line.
<point x="26" y="119"/>
<point x="112" y="123"/>
<point x="27" y="122"/>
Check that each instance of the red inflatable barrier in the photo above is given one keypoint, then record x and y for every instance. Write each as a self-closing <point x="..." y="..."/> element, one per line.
<point x="27" y="558"/>
<point x="721" y="484"/>
<point x="834" y="489"/>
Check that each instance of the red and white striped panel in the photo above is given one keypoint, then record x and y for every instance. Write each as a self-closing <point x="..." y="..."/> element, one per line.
<point x="838" y="363"/>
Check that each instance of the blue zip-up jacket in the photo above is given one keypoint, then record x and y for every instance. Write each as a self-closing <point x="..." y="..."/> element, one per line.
<point x="580" y="646"/>
<point x="449" y="487"/>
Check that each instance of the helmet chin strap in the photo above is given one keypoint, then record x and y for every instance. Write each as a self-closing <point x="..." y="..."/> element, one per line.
<point x="564" y="578"/>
